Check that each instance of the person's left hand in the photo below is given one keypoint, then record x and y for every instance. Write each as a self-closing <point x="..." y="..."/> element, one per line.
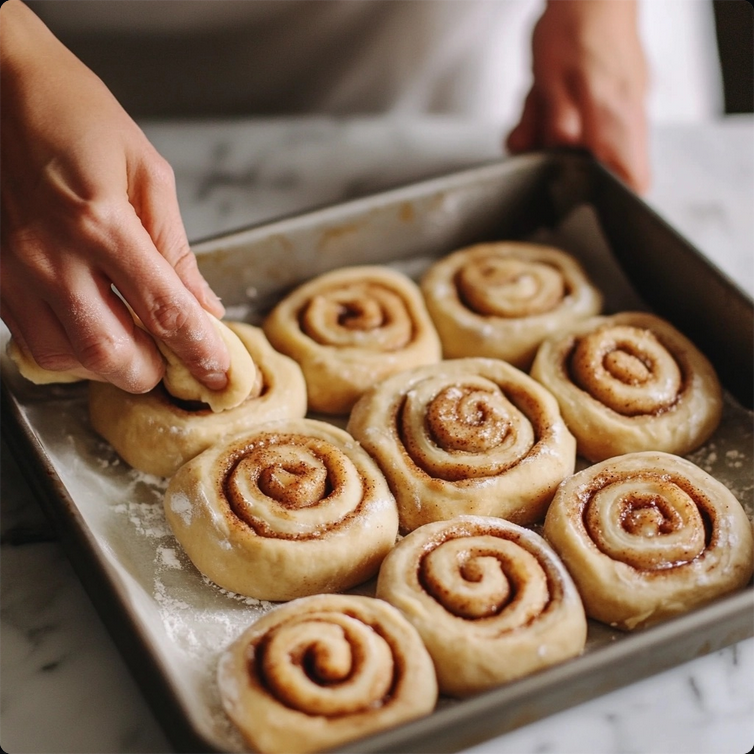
<point x="589" y="89"/>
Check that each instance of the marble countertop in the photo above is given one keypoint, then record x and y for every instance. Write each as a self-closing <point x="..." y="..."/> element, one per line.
<point x="63" y="685"/>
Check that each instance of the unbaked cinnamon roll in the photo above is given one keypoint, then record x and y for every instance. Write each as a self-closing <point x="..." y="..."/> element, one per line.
<point x="325" y="670"/>
<point x="630" y="382"/>
<point x="466" y="436"/>
<point x="649" y="535"/>
<point x="243" y="379"/>
<point x="491" y="600"/>
<point x="351" y="328"/>
<point x="156" y="432"/>
<point x="501" y="300"/>
<point x="178" y="381"/>
<point x="283" y="510"/>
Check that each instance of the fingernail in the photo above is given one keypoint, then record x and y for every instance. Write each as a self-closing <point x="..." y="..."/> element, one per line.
<point x="211" y="298"/>
<point x="216" y="380"/>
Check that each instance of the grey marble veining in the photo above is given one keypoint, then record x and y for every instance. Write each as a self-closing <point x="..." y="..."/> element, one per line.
<point x="64" y="687"/>
<point x="229" y="175"/>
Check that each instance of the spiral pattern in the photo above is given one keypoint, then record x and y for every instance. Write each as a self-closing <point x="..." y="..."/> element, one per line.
<point x="288" y="509"/>
<point x="323" y="670"/>
<point x="649" y="535"/>
<point x="361" y="315"/>
<point x="646" y="523"/>
<point x="292" y="486"/>
<point x="628" y="383"/>
<point x="506" y="286"/>
<point x="349" y="329"/>
<point x="490" y="599"/>
<point x="470" y="436"/>
<point x="156" y="433"/>
<point x="500" y="300"/>
<point x="462" y="430"/>
<point x="626" y="369"/>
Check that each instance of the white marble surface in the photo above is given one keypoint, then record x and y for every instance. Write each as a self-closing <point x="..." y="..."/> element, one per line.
<point x="63" y="685"/>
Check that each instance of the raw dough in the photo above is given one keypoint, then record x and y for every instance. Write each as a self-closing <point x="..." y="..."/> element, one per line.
<point x="283" y="510"/>
<point x="351" y="328"/>
<point x="503" y="299"/>
<point x="29" y="368"/>
<point x="630" y="382"/>
<point x="649" y="535"/>
<point x="242" y="374"/>
<point x="465" y="436"/>
<point x="155" y="433"/>
<point x="491" y="600"/>
<point x="325" y="670"/>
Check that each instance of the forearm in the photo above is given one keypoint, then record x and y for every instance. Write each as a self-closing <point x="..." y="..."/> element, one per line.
<point x="89" y="205"/>
<point x="27" y="47"/>
<point x="621" y="11"/>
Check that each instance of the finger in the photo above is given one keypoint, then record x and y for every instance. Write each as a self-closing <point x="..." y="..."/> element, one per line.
<point x="103" y="335"/>
<point x="560" y="117"/>
<point x="158" y="209"/>
<point x="525" y="135"/>
<point x="167" y="309"/>
<point x="68" y="318"/>
<point x="47" y="345"/>
<point x="39" y="333"/>
<point x="617" y="135"/>
<point x="562" y="122"/>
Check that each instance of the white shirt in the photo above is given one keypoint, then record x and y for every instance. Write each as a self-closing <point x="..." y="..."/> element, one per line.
<point x="464" y="57"/>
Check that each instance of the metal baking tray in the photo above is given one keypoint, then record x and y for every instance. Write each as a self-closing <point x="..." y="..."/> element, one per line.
<point x="170" y="623"/>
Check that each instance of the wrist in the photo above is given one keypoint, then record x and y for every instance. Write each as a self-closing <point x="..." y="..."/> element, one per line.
<point x="28" y="48"/>
<point x="583" y="11"/>
<point x="19" y="35"/>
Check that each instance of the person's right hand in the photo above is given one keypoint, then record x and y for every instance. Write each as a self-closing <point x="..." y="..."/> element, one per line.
<point x="89" y="206"/>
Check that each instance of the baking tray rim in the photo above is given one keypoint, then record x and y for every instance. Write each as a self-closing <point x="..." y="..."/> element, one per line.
<point x="735" y="611"/>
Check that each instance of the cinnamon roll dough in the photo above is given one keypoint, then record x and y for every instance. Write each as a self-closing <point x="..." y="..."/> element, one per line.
<point x="179" y="382"/>
<point x="501" y="300"/>
<point x="283" y="510"/>
<point x="465" y="436"/>
<point x="630" y="382"/>
<point x="156" y="434"/>
<point x="491" y="600"/>
<point x="649" y="535"/>
<point x="242" y="374"/>
<point x="324" y="670"/>
<point x="351" y="328"/>
<point x="30" y="370"/>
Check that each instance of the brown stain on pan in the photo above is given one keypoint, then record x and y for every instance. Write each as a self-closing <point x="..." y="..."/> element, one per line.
<point x="336" y="238"/>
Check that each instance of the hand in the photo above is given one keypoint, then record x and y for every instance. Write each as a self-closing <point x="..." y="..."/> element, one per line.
<point x="590" y="82"/>
<point x="89" y="206"/>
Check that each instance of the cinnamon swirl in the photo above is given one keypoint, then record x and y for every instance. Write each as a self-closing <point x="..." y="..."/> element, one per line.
<point x="490" y="599"/>
<point x="630" y="382"/>
<point x="156" y="433"/>
<point x="283" y="510"/>
<point x="649" y="535"/>
<point x="466" y="436"/>
<point x="349" y="329"/>
<point x="324" y="670"/>
<point x="502" y="299"/>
